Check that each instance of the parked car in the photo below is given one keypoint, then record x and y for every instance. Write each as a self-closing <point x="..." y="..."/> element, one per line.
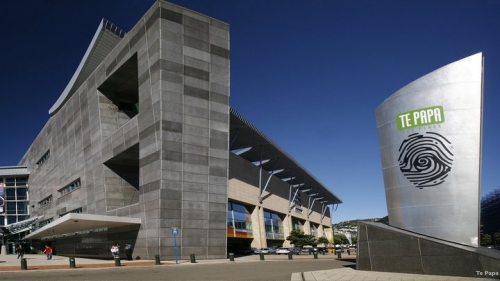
<point x="261" y="251"/>
<point x="307" y="250"/>
<point x="284" y="251"/>
<point x="295" y="250"/>
<point x="272" y="250"/>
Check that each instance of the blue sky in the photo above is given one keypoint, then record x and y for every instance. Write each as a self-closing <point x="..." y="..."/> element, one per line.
<point x="309" y="74"/>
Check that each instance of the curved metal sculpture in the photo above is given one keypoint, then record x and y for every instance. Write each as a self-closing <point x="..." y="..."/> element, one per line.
<point x="430" y="142"/>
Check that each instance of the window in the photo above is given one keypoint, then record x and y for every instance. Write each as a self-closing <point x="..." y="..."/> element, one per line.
<point x="21" y="181"/>
<point x="22" y="208"/>
<point x="46" y="201"/>
<point x="10" y="194"/>
<point x="273" y="225"/>
<point x="11" y="208"/>
<point x="44" y="158"/>
<point x="297" y="224"/>
<point x="2" y="220"/>
<point x="11" y="219"/>
<point x="76" y="211"/>
<point x="45" y="222"/>
<point x="239" y="222"/>
<point x="22" y="193"/>
<point x="10" y="181"/>
<point x="74" y="185"/>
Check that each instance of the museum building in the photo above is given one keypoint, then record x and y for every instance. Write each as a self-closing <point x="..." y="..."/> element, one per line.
<point x="142" y="147"/>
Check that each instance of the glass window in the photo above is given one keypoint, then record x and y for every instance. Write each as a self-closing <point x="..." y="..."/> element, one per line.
<point x="21" y="218"/>
<point x="11" y="219"/>
<point x="21" y="181"/>
<point x="22" y="193"/>
<point x="22" y="207"/>
<point x="239" y="221"/>
<point x="273" y="225"/>
<point x="44" y="158"/>
<point x="70" y="187"/>
<point x="46" y="201"/>
<point x="297" y="224"/>
<point x="10" y="181"/>
<point x="10" y="193"/>
<point x="2" y="220"/>
<point x="11" y="207"/>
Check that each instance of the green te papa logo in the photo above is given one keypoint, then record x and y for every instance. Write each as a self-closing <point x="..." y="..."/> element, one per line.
<point x="420" y="117"/>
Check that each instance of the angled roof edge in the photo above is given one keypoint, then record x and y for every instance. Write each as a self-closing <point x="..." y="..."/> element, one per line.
<point x="84" y="68"/>
<point x="290" y="158"/>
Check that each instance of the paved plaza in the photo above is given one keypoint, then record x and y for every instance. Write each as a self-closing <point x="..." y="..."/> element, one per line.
<point x="275" y="267"/>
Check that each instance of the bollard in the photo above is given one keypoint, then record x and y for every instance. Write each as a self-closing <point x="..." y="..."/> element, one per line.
<point x="261" y="256"/>
<point x="231" y="256"/>
<point x="348" y="251"/>
<point x="290" y="255"/>
<point x="72" y="263"/>
<point x="315" y="255"/>
<point x="117" y="261"/>
<point x="24" y="264"/>
<point x="157" y="260"/>
<point x="339" y="254"/>
<point x="193" y="258"/>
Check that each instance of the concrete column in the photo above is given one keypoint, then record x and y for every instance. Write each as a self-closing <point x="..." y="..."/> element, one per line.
<point x="258" y="229"/>
<point x="287" y="228"/>
<point x="307" y="227"/>
<point x="320" y="231"/>
<point x="3" y="251"/>
<point x="328" y="233"/>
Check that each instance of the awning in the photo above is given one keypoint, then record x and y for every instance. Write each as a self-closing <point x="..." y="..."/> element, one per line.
<point x="9" y="171"/>
<point x="72" y="223"/>
<point x="22" y="226"/>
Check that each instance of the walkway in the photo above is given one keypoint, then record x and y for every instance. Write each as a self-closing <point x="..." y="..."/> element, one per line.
<point x="349" y="274"/>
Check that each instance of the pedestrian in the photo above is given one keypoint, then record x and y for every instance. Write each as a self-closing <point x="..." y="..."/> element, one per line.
<point x="115" y="250"/>
<point x="20" y="251"/>
<point x="48" y="251"/>
<point x="128" y="251"/>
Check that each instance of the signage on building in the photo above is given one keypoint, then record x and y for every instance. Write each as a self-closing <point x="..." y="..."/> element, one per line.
<point x="2" y="197"/>
<point x="430" y="143"/>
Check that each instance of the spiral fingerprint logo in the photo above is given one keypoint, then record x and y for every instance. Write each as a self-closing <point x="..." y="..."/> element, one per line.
<point x="425" y="159"/>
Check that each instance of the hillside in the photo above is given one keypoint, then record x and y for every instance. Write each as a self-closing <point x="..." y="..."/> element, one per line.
<point x="354" y="223"/>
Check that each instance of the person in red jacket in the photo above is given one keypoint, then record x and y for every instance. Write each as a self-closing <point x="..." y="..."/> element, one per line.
<point x="48" y="252"/>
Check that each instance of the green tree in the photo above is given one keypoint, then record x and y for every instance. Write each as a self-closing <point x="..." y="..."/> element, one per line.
<point x="485" y="240"/>
<point x="299" y="239"/>
<point x="323" y="240"/>
<point x="354" y="239"/>
<point x="496" y="238"/>
<point x="340" y="239"/>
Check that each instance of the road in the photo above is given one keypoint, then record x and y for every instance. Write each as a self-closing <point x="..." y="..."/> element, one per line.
<point x="249" y="270"/>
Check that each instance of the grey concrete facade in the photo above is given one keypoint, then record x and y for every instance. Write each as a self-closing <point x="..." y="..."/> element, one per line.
<point x="144" y="131"/>
<point x="386" y="248"/>
<point x="165" y="164"/>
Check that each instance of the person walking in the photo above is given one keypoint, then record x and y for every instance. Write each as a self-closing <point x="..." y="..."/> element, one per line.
<point x="115" y="251"/>
<point x="48" y="252"/>
<point x="128" y="251"/>
<point x="20" y="251"/>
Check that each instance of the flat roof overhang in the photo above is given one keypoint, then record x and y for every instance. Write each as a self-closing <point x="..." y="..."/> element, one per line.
<point x="73" y="222"/>
<point x="14" y="171"/>
<point x="243" y="135"/>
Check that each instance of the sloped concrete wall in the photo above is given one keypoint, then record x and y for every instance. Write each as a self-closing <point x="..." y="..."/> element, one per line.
<point x="385" y="248"/>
